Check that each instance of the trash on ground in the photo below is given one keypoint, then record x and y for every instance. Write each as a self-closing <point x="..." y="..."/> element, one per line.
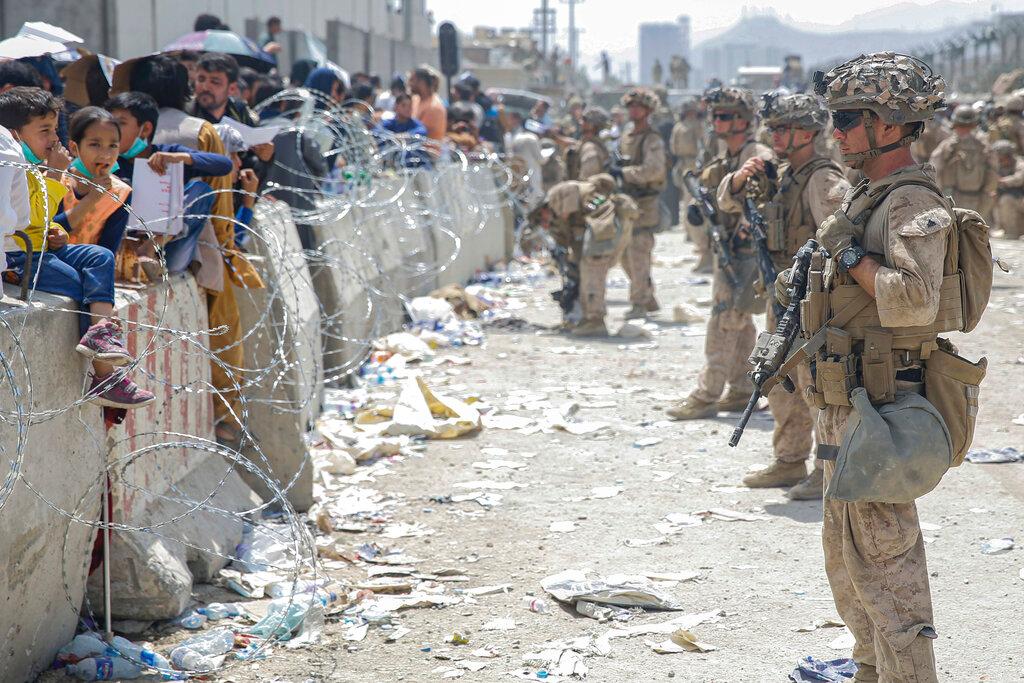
<point x="996" y="546"/>
<point x="538" y="605"/>
<point x="686" y="313"/>
<point x="602" y="644"/>
<point x="990" y="456"/>
<point x="681" y="640"/>
<point x="420" y="411"/>
<point x="647" y="441"/>
<point x="820" y="623"/>
<point x="485" y="484"/>
<point x="632" y="331"/>
<point x="644" y="542"/>
<point x="501" y="624"/>
<point x="563" y="526"/>
<point x="499" y="464"/>
<point x="605" y="491"/>
<point x="810" y="670"/>
<point x="622" y="590"/>
<point x="500" y="421"/>
<point x="844" y="641"/>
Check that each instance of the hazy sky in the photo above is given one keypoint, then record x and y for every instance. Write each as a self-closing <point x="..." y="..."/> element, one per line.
<point x="612" y="24"/>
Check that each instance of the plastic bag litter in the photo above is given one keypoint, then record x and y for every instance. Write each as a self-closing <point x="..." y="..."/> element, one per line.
<point x="996" y="546"/>
<point x="991" y="456"/>
<point x="265" y="547"/>
<point x="409" y="346"/>
<point x="424" y="309"/>
<point x="627" y="591"/>
<point x="809" y="670"/>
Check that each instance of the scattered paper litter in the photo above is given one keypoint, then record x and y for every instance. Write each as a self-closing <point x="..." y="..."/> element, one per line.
<point x="492" y="421"/>
<point x="501" y="624"/>
<point x="820" y="623"/>
<point x="603" y="645"/>
<point x="420" y="411"/>
<point x="845" y="641"/>
<point x="394" y="603"/>
<point x="489" y="590"/>
<point x="621" y="590"/>
<point x="499" y="464"/>
<point x="681" y="640"/>
<point x="606" y="491"/>
<point x="356" y="632"/>
<point x="647" y="441"/>
<point x="486" y="484"/>
<point x="661" y="475"/>
<point x="563" y="526"/>
<point x="493" y="451"/>
<point x="991" y="456"/>
<point x="644" y="542"/>
<point x="404" y="530"/>
<point x="996" y="546"/>
<point x="928" y="526"/>
<point x="730" y="515"/>
<point x="486" y="652"/>
<point x="675" y="522"/>
<point x="397" y="633"/>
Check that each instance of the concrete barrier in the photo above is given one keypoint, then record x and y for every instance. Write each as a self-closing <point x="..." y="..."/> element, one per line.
<point x="43" y="561"/>
<point x="282" y="327"/>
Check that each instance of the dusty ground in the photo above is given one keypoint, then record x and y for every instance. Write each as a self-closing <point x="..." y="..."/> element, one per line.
<point x="766" y="576"/>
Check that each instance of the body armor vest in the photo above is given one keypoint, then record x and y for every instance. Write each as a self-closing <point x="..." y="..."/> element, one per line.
<point x="789" y="222"/>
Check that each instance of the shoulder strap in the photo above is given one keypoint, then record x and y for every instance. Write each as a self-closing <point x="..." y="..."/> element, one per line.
<point x="802" y="177"/>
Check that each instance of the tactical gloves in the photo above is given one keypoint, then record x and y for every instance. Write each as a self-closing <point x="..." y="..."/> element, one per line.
<point x="837" y="232"/>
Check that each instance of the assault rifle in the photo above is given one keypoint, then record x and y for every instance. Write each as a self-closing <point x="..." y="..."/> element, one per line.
<point x="764" y="257"/>
<point x="569" y="294"/>
<point x="773" y="348"/>
<point x="706" y="212"/>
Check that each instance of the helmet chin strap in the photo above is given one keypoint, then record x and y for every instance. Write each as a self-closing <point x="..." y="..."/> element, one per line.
<point x="790" y="147"/>
<point x="732" y="129"/>
<point x="857" y="159"/>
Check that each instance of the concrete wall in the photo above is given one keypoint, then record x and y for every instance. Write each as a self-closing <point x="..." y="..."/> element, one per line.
<point x="372" y="256"/>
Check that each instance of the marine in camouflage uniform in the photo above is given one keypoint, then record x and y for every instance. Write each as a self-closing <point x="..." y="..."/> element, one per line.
<point x="935" y="131"/>
<point x="1009" y="209"/>
<point x="589" y="156"/>
<point x="890" y="262"/>
<point x="730" y="332"/>
<point x="569" y="124"/>
<point x="1009" y="125"/>
<point x="965" y="166"/>
<point x="594" y="223"/>
<point x="810" y="187"/>
<point x="686" y="144"/>
<point x="643" y="174"/>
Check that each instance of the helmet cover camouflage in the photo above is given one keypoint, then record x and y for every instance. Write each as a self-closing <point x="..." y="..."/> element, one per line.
<point x="895" y="87"/>
<point x="1015" y="102"/>
<point x="1003" y="148"/>
<point x="798" y="111"/>
<point x="965" y="115"/>
<point x="596" y="116"/>
<point x="737" y="100"/>
<point x="642" y="96"/>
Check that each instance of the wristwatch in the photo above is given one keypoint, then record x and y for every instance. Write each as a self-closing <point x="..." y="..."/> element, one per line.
<point x="850" y="257"/>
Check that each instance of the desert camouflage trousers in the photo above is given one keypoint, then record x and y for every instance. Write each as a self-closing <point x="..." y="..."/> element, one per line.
<point x="1009" y="215"/>
<point x="794" y="414"/>
<point x="636" y="261"/>
<point x="875" y="562"/>
<point x="593" y="283"/>
<point x="727" y="345"/>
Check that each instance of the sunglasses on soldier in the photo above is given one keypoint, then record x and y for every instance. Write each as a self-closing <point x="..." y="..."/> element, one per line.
<point x="846" y="120"/>
<point x="724" y="116"/>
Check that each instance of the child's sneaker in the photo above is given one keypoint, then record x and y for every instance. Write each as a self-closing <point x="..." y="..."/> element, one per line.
<point x="102" y="342"/>
<point x="117" y="391"/>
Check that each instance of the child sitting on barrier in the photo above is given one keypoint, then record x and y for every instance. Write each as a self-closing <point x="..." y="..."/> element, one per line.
<point x="83" y="272"/>
<point x="137" y="113"/>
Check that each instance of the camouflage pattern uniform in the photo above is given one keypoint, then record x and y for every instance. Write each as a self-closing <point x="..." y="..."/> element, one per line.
<point x="642" y="179"/>
<point x="874" y="553"/>
<point x="730" y="331"/>
<point x="1009" y="209"/>
<point x="591" y="153"/>
<point x="935" y="131"/>
<point x="686" y="144"/>
<point x="579" y="208"/>
<point x="806" y="196"/>
<point x="965" y="166"/>
<point x="1009" y="125"/>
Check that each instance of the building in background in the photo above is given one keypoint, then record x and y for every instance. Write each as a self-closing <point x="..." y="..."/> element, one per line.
<point x="375" y="36"/>
<point x="659" y="41"/>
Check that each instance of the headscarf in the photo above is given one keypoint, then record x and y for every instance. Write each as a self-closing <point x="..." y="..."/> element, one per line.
<point x="323" y="79"/>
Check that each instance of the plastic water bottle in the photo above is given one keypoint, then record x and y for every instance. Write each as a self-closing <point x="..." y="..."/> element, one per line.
<point x="220" y="610"/>
<point x="533" y="604"/>
<point x="104" y="669"/>
<point x="83" y="646"/>
<point x="140" y="653"/>
<point x="210" y="643"/>
<point x="193" y="620"/>
<point x="190" y="660"/>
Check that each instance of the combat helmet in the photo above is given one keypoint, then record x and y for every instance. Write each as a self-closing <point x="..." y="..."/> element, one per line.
<point x="1015" y="102"/>
<point x="965" y="115"/>
<point x="596" y="116"/>
<point x="1003" y="148"/>
<point x="892" y="453"/>
<point x="799" y="111"/>
<point x="737" y="100"/>
<point x="898" y="89"/>
<point x="645" y="97"/>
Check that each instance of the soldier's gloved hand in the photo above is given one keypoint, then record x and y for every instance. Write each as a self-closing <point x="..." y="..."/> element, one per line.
<point x="837" y="232"/>
<point x="782" y="287"/>
<point x="693" y="215"/>
<point x="615" y="171"/>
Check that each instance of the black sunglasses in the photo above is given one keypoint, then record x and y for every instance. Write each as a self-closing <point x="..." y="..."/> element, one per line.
<point x="844" y="121"/>
<point x="724" y="117"/>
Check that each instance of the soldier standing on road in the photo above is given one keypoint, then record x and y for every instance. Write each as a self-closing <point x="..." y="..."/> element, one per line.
<point x="730" y="332"/>
<point x="589" y="156"/>
<point x="964" y="164"/>
<point x="883" y="279"/>
<point x="1009" y="209"/>
<point x="643" y="176"/>
<point x="685" y="144"/>
<point x="1009" y="125"/>
<point x="593" y="222"/>
<point x="935" y="131"/>
<point x="811" y="186"/>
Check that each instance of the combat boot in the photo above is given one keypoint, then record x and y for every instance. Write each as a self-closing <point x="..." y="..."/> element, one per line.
<point x="636" y="312"/>
<point x="810" y="488"/>
<point x="692" y="409"/>
<point x="734" y="401"/>
<point x="777" y="474"/>
<point x="652" y="306"/>
<point x="703" y="266"/>
<point x="590" y="328"/>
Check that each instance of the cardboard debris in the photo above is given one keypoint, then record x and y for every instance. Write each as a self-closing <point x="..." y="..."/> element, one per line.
<point x="681" y="640"/>
<point x="563" y="526"/>
<point x="603" y="643"/>
<point x="619" y="590"/>
<point x="420" y="411"/>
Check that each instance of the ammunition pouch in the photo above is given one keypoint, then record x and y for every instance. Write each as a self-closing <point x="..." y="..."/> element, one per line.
<point x="952" y="384"/>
